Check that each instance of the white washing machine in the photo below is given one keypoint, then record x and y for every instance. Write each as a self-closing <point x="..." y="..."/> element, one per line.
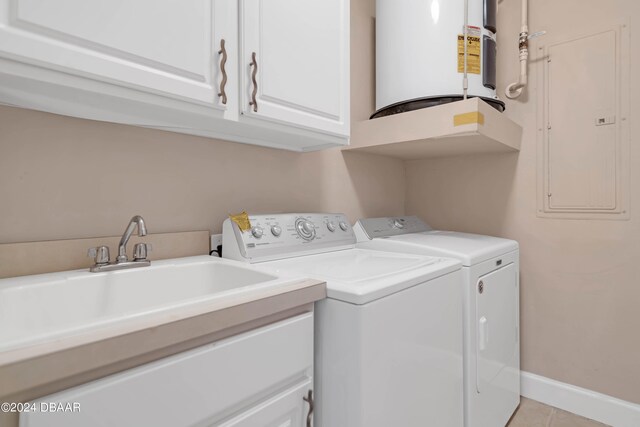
<point x="491" y="301"/>
<point x="388" y="338"/>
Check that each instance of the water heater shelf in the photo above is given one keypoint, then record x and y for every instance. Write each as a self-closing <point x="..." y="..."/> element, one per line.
<point x="455" y="129"/>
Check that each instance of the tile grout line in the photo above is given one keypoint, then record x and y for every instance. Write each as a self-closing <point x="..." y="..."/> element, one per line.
<point x="551" y="414"/>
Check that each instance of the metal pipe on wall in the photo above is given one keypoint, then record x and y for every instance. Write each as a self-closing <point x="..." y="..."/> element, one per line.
<point x="515" y="89"/>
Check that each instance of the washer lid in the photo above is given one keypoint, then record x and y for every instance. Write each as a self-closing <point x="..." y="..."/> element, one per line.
<point x="469" y="248"/>
<point x="359" y="276"/>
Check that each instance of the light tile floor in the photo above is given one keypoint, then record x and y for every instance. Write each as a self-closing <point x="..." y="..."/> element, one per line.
<point x="535" y="414"/>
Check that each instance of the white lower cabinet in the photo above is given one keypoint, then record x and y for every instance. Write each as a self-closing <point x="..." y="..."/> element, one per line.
<point x="261" y="378"/>
<point x="282" y="410"/>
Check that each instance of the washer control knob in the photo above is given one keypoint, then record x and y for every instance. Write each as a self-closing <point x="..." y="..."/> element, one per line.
<point x="344" y="226"/>
<point x="398" y="224"/>
<point x="331" y="226"/>
<point x="305" y="229"/>
<point x="276" y="230"/>
<point x="257" y="232"/>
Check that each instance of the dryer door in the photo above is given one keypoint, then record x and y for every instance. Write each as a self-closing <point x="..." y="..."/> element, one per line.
<point x="497" y="320"/>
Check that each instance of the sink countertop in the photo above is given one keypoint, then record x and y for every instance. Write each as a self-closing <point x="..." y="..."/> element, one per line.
<point x="32" y="371"/>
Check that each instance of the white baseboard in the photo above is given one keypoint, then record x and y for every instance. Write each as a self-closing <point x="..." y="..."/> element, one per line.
<point x="580" y="401"/>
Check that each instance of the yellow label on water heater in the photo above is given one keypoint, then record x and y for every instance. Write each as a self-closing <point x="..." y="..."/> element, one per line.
<point x="473" y="54"/>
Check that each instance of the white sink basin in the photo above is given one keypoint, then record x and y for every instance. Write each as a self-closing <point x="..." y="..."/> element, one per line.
<point x="35" y="309"/>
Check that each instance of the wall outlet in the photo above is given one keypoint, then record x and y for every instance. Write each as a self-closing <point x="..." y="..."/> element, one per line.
<point x="216" y="240"/>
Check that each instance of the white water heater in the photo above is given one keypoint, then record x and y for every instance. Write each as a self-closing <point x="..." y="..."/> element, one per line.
<point x="420" y="53"/>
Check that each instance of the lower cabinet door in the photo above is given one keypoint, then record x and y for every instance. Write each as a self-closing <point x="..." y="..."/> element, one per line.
<point x="206" y="386"/>
<point x="292" y="408"/>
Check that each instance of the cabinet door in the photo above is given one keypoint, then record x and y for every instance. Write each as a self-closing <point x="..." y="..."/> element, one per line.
<point x="290" y="409"/>
<point x="297" y="53"/>
<point x="168" y="48"/>
<point x="204" y="386"/>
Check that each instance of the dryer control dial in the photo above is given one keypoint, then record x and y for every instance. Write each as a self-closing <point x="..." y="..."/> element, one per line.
<point x="305" y="229"/>
<point x="344" y="226"/>
<point x="331" y="226"/>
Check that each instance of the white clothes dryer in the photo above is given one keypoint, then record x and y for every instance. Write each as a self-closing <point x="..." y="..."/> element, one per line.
<point x="491" y="307"/>
<point x="388" y="337"/>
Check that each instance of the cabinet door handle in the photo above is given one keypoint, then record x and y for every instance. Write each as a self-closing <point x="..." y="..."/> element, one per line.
<point x="309" y="399"/>
<point x="223" y="62"/>
<point x="254" y="65"/>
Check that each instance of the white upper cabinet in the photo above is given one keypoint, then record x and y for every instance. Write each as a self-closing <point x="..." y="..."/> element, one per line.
<point x="295" y="62"/>
<point x="178" y="65"/>
<point x="168" y="48"/>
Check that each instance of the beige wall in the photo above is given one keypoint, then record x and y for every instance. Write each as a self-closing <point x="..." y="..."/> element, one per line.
<point x="65" y="178"/>
<point x="580" y="289"/>
<point x="68" y="178"/>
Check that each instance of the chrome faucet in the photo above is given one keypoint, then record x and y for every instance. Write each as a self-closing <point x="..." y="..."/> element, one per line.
<point x="101" y="253"/>
<point x="122" y="247"/>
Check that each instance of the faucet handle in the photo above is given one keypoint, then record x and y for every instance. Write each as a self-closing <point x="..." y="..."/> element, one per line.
<point x="100" y="254"/>
<point x="140" y="251"/>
